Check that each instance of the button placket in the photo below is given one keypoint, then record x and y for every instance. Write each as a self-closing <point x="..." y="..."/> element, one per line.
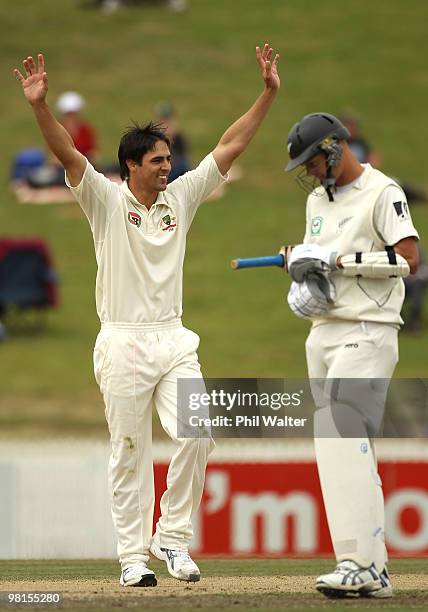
<point x="150" y="224"/>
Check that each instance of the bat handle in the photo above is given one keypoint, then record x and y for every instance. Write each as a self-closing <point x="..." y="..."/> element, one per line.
<point x="258" y="262"/>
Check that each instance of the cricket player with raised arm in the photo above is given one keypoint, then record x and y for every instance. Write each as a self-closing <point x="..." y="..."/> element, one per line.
<point x="139" y="230"/>
<point x="359" y="244"/>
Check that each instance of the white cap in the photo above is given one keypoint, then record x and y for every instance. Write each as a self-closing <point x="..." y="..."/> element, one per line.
<point x="70" y="102"/>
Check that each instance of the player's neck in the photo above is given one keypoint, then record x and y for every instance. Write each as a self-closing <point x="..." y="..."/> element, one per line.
<point x="145" y="197"/>
<point x="351" y="171"/>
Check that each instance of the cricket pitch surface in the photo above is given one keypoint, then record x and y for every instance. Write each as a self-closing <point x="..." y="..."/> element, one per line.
<point x="233" y="584"/>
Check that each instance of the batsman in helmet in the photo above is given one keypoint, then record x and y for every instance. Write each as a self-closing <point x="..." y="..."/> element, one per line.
<point x="348" y="281"/>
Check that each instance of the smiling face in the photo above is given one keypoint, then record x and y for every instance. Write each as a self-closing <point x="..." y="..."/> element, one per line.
<point x="151" y="175"/>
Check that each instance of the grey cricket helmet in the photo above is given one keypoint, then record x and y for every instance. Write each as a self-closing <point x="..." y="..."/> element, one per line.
<point x="307" y="135"/>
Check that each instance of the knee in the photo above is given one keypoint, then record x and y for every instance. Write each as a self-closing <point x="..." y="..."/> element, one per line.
<point x="124" y="451"/>
<point x="199" y="446"/>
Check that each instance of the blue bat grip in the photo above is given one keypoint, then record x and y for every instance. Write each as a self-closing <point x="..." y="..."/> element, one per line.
<point x="259" y="262"/>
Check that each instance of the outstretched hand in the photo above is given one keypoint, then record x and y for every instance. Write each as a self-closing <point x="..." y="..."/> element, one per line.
<point x="35" y="83"/>
<point x="268" y="67"/>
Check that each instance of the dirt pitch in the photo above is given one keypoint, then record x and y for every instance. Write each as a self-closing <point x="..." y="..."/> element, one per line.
<point x="215" y="593"/>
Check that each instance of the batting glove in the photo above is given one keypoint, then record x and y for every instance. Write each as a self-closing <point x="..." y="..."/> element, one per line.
<point x="314" y="251"/>
<point x="307" y="300"/>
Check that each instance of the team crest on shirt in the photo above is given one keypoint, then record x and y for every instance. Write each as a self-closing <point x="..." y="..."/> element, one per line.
<point x="134" y="218"/>
<point x="316" y="226"/>
<point x="168" y="223"/>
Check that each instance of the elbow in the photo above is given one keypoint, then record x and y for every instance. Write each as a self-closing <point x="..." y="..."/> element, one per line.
<point x="66" y="156"/>
<point x="413" y="261"/>
<point x="232" y="149"/>
<point x="408" y="249"/>
<point x="413" y="265"/>
<point x="224" y="157"/>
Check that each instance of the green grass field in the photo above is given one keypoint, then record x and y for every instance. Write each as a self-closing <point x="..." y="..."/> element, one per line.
<point x="367" y="56"/>
<point x="231" y="584"/>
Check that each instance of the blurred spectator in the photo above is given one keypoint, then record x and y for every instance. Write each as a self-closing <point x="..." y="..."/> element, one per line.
<point x="37" y="178"/>
<point x="359" y="145"/>
<point x="362" y="150"/>
<point x="111" y="6"/>
<point x="416" y="285"/>
<point x="25" y="162"/>
<point x="179" y="144"/>
<point x="70" y="106"/>
<point x="177" y="5"/>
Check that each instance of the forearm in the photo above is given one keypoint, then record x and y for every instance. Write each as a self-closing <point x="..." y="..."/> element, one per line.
<point x="237" y="137"/>
<point x="240" y="133"/>
<point x="404" y="254"/>
<point x="56" y="136"/>
<point x="305" y="258"/>
<point x="378" y="264"/>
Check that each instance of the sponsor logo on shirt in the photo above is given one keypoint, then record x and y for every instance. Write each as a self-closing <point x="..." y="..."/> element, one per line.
<point x="402" y="210"/>
<point x="134" y="218"/>
<point x="316" y="226"/>
<point x="168" y="223"/>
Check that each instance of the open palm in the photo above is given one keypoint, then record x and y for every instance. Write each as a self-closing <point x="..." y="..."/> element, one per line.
<point x="35" y="83"/>
<point x="268" y="67"/>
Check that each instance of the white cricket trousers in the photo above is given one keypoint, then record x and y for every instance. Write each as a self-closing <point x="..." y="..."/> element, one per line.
<point x="137" y="367"/>
<point x="351" y="487"/>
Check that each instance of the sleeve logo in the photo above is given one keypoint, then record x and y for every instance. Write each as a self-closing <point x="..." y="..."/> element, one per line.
<point x="402" y="210"/>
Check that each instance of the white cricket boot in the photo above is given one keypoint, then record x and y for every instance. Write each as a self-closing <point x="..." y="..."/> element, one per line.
<point x="138" y="575"/>
<point x="179" y="563"/>
<point x="386" y="588"/>
<point x="351" y="580"/>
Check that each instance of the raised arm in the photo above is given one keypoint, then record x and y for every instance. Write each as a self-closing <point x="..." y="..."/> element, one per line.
<point x="35" y="88"/>
<point x="237" y="137"/>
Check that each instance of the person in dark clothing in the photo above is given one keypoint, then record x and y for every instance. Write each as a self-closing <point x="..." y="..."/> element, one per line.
<point x="363" y="151"/>
<point x="179" y="145"/>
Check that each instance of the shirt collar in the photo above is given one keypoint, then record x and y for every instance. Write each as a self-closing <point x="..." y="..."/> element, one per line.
<point x="125" y="189"/>
<point x="361" y="181"/>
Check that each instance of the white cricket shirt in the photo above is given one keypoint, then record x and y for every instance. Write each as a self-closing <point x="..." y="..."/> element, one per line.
<point x="140" y="252"/>
<point x="366" y="215"/>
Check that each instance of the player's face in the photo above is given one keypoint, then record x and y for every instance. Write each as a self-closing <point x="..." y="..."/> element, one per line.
<point x="317" y="166"/>
<point x="155" y="167"/>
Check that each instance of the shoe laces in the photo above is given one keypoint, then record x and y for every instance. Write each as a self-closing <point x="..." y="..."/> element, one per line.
<point x="134" y="567"/>
<point x="347" y="566"/>
<point x="182" y="554"/>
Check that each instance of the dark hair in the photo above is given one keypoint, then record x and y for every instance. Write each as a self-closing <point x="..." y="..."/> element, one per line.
<point x="137" y="141"/>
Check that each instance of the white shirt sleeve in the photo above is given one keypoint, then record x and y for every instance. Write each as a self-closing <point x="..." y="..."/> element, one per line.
<point x="391" y="216"/>
<point x="193" y="187"/>
<point x="93" y="195"/>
